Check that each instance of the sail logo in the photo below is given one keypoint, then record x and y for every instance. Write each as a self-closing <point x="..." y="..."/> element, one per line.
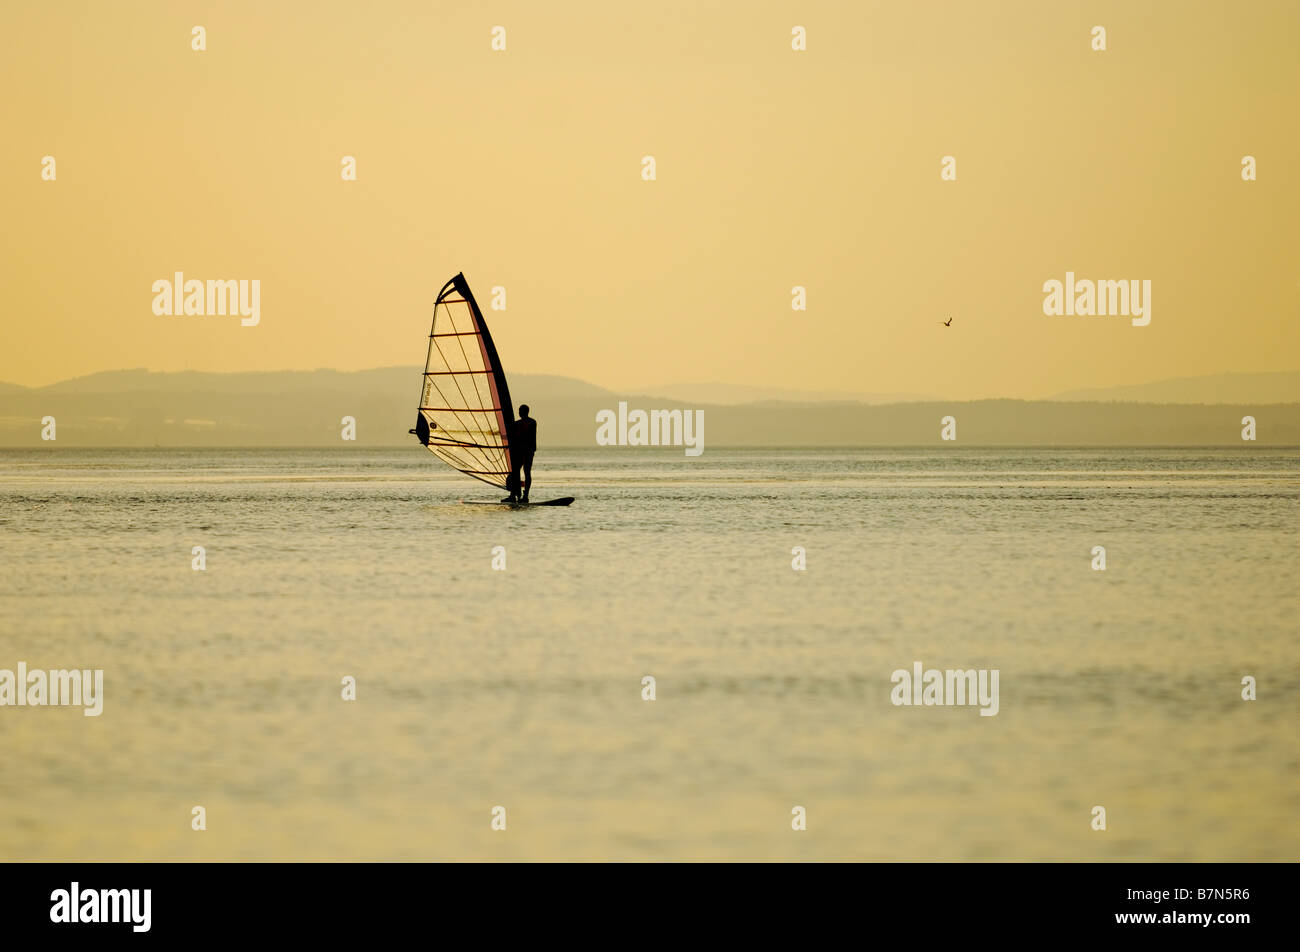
<point x="195" y="298"/>
<point x="132" y="906"/>
<point x="952" y="687"/>
<point x="1098" y="298"/>
<point x="651" y="428"/>
<point x="54" y="688"/>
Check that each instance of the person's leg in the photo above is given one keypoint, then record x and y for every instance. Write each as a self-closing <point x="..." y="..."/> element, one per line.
<point x="528" y="474"/>
<point x="512" y="481"/>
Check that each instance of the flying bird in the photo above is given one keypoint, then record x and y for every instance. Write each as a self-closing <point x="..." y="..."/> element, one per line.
<point x="948" y="323"/>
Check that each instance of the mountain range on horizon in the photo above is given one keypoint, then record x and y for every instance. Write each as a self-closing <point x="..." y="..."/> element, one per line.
<point x="1275" y="387"/>
<point x="304" y="408"/>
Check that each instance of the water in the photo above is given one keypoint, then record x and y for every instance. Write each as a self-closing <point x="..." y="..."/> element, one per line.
<point x="522" y="688"/>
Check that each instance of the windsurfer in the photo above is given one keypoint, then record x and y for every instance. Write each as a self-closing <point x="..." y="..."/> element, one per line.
<point x="523" y="444"/>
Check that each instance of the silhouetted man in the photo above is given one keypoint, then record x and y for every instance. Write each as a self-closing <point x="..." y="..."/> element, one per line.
<point x="523" y="444"/>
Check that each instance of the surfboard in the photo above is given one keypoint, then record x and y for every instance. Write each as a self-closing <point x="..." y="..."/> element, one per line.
<point x="562" y="501"/>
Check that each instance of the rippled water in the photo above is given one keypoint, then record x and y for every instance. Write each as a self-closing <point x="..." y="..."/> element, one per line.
<point x="522" y="688"/>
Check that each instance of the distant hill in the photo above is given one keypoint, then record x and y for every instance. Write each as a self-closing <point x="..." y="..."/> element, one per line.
<point x="729" y="394"/>
<point x="304" y="408"/>
<point x="278" y="408"/>
<point x="1215" y="388"/>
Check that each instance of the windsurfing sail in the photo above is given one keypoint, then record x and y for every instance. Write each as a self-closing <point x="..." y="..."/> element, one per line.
<point x="465" y="402"/>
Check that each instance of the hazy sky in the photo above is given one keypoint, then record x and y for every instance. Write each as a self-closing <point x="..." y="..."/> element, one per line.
<point x="775" y="168"/>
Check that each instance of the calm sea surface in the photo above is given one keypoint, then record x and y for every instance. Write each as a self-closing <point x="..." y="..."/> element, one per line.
<point x="522" y="688"/>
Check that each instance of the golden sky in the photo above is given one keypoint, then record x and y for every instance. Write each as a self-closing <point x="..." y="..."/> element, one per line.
<point x="775" y="168"/>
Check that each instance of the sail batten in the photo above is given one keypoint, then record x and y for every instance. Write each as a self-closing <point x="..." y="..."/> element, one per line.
<point x="464" y="399"/>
